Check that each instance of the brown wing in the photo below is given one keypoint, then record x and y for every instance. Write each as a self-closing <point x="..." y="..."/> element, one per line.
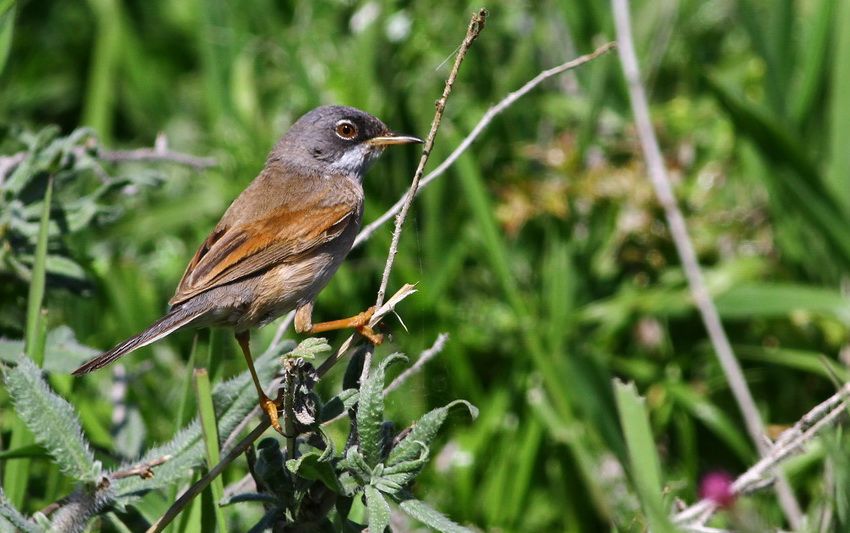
<point x="232" y="253"/>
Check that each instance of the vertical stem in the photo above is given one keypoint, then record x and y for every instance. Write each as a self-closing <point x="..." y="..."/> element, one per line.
<point x="684" y="247"/>
<point x="289" y="407"/>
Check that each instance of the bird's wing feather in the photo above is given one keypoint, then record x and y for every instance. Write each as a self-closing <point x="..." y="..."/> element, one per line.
<point x="232" y="253"/>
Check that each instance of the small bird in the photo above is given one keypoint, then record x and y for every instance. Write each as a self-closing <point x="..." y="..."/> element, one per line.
<point x="281" y="240"/>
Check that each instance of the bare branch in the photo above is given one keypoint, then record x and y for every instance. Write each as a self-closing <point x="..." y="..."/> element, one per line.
<point x="789" y="443"/>
<point x="143" y="470"/>
<point x="158" y="153"/>
<point x="420" y="363"/>
<point x="476" y="25"/>
<point x="685" y="249"/>
<point x="485" y="121"/>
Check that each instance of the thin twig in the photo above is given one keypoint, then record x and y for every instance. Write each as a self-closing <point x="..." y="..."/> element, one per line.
<point x="685" y="249"/>
<point x="158" y="153"/>
<point x="482" y="124"/>
<point x="789" y="443"/>
<point x="204" y="482"/>
<point x="476" y="25"/>
<point x="420" y="363"/>
<point x="143" y="470"/>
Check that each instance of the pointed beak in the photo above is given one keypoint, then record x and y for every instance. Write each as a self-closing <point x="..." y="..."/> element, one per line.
<point x="393" y="138"/>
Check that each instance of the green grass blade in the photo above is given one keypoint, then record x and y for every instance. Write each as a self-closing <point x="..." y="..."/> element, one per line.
<point x="210" y="432"/>
<point x="838" y="176"/>
<point x="643" y="458"/>
<point x="36" y="290"/>
<point x="7" y="26"/>
<point x="17" y="473"/>
<point x="803" y="98"/>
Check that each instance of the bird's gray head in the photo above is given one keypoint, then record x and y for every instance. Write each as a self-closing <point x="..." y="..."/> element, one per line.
<point x="337" y="139"/>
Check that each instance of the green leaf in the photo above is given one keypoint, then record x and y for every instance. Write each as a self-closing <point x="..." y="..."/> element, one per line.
<point x="63" y="353"/>
<point x="713" y="417"/>
<point x="52" y="420"/>
<point x="423" y="432"/>
<point x="643" y="458"/>
<point x="336" y="406"/>
<point x="431" y="517"/>
<point x="309" y="348"/>
<point x="370" y="412"/>
<point x="780" y="300"/>
<point x="210" y="434"/>
<point x="838" y="174"/>
<point x="18" y="521"/>
<point x="310" y="466"/>
<point x="36" y="292"/>
<point x="7" y="26"/>
<point x="378" y="510"/>
<point x="30" y="450"/>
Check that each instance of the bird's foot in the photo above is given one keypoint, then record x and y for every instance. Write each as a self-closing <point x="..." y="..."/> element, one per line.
<point x="270" y="407"/>
<point x="361" y="324"/>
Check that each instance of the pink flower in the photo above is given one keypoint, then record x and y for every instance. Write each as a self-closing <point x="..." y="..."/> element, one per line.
<point x="717" y="487"/>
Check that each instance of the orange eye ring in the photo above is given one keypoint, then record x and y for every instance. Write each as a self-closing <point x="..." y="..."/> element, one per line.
<point x="345" y="130"/>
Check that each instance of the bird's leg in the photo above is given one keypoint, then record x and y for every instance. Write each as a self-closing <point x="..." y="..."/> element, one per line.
<point x="266" y="404"/>
<point x="360" y="322"/>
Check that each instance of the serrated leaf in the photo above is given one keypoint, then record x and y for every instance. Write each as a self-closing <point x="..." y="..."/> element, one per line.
<point x="52" y="420"/>
<point x="309" y="348"/>
<point x="431" y="517"/>
<point x="311" y="466"/>
<point x="18" y="521"/>
<point x="377" y="509"/>
<point x="370" y="412"/>
<point x="423" y="432"/>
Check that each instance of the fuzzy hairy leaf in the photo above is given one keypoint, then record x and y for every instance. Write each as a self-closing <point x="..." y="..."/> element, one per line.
<point x="431" y="517"/>
<point x="370" y="411"/>
<point x="15" y="519"/>
<point x="377" y="509"/>
<point x="423" y="432"/>
<point x="52" y="420"/>
<point x="309" y="348"/>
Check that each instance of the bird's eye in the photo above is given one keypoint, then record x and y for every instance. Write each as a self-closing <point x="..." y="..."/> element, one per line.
<point x="346" y="130"/>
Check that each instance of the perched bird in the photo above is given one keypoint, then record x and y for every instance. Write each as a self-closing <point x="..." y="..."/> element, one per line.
<point x="281" y="240"/>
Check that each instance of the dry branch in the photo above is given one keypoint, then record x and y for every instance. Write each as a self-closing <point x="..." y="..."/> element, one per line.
<point x="788" y="444"/>
<point x="685" y="249"/>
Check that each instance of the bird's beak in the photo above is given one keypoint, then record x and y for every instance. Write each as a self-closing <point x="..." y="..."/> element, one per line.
<point x="393" y="138"/>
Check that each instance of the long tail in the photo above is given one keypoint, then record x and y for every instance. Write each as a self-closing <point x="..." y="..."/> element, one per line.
<point x="174" y="320"/>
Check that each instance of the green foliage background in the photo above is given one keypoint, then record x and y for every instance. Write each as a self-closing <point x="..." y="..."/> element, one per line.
<point x="542" y="251"/>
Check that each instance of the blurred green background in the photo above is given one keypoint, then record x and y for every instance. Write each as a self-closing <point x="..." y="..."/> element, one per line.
<point x="542" y="251"/>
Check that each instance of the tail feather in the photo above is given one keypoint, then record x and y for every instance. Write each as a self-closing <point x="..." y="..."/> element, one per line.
<point x="174" y="320"/>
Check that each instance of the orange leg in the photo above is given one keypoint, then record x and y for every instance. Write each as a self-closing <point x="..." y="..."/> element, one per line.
<point x="266" y="403"/>
<point x="360" y="322"/>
